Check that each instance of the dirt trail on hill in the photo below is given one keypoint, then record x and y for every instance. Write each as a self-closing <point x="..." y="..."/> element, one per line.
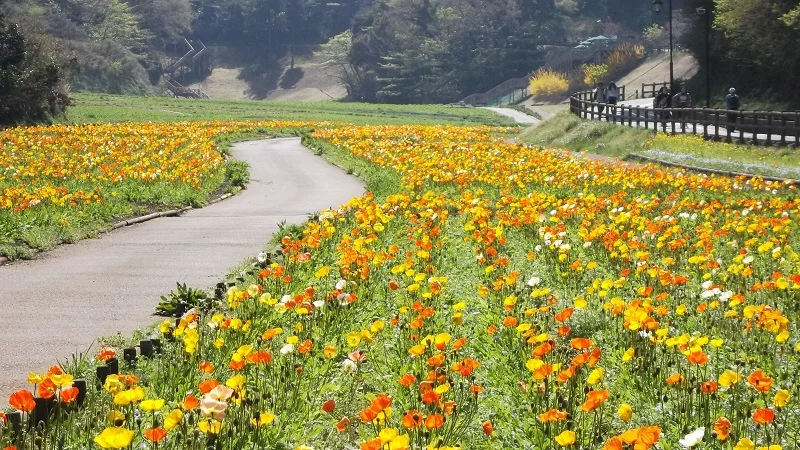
<point x="58" y="304"/>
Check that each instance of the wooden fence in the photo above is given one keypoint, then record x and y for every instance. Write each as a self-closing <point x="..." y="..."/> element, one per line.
<point x="651" y="89"/>
<point x="745" y="127"/>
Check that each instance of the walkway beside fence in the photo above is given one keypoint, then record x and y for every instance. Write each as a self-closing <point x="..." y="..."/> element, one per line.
<point x="743" y="127"/>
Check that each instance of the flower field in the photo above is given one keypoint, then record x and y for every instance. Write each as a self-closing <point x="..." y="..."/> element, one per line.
<point x="57" y="182"/>
<point x="486" y="295"/>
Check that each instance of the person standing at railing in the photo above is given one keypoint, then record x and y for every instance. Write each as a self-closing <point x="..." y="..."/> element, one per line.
<point x="612" y="97"/>
<point x="681" y="100"/>
<point x="600" y="95"/>
<point x="661" y="100"/>
<point x="732" y="103"/>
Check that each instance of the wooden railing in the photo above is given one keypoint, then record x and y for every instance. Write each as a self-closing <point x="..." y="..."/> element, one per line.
<point x="651" y="89"/>
<point x="745" y="127"/>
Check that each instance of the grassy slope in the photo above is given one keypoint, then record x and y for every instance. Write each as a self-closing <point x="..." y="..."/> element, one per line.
<point x="568" y="131"/>
<point x="91" y="108"/>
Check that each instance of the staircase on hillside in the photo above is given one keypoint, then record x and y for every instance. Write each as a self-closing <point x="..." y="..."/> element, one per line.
<point x="196" y="60"/>
<point x="515" y="90"/>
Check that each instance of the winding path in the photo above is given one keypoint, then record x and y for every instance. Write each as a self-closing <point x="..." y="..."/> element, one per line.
<point x="59" y="303"/>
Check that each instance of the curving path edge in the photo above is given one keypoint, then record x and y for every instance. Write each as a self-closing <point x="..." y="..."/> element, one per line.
<point x="58" y="304"/>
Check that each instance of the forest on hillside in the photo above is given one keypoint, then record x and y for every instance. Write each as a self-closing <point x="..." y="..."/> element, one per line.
<point x="398" y="51"/>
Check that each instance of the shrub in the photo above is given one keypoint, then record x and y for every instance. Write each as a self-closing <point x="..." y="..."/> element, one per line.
<point x="625" y="57"/>
<point x="547" y="83"/>
<point x="594" y="73"/>
<point x="237" y="173"/>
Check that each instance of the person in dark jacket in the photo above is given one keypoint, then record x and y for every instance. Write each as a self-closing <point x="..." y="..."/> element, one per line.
<point x="732" y="103"/>
<point x="681" y="100"/>
<point x="661" y="100"/>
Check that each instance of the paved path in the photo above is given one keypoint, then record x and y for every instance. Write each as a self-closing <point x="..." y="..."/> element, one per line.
<point x="59" y="303"/>
<point x="518" y="116"/>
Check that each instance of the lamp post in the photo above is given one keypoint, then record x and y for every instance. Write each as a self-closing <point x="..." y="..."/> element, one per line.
<point x="706" y="13"/>
<point x="658" y="5"/>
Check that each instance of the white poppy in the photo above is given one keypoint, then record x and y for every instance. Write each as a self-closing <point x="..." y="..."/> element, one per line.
<point x="693" y="438"/>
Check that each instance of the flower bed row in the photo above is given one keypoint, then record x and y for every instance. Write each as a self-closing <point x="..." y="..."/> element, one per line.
<point x="496" y="296"/>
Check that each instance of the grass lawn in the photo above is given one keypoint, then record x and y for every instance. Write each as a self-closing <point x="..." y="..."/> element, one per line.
<point x="93" y="108"/>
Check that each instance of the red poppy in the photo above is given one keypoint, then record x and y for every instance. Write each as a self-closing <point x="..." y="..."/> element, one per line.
<point x="47" y="389"/>
<point x="709" y="387"/>
<point x="488" y="428"/>
<point x="763" y="416"/>
<point x="329" y="406"/>
<point x="22" y="400"/>
<point x="69" y="394"/>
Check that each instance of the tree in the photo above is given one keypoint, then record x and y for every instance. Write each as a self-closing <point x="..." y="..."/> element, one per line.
<point x="29" y="80"/>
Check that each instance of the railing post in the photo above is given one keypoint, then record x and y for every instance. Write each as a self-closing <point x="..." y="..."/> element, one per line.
<point x="769" y="128"/>
<point x="741" y="128"/>
<point x="783" y="129"/>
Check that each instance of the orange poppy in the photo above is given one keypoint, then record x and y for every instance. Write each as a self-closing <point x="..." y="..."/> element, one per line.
<point x="436" y="360"/>
<point x="329" y="406"/>
<point x="552" y="415"/>
<point x="305" y="347"/>
<point x="259" y="357"/>
<point x="407" y="380"/>
<point x="106" y="354"/>
<point x="723" y="428"/>
<point x="542" y="349"/>
<point x="594" y="399"/>
<point x="206" y="386"/>
<point x="206" y="367"/>
<point x="615" y="443"/>
<point x="564" y="315"/>
<point x="155" y="434"/>
<point x="763" y="416"/>
<point x="374" y="444"/>
<point x="434" y="421"/>
<point x="760" y="381"/>
<point x="430" y="397"/>
<point x="191" y="402"/>
<point x="412" y="419"/>
<point x="22" y="400"/>
<point x="697" y="358"/>
<point x="564" y="330"/>
<point x="368" y="415"/>
<point x="581" y="343"/>
<point x="341" y="425"/>
<point x="675" y="378"/>
<point x="510" y="322"/>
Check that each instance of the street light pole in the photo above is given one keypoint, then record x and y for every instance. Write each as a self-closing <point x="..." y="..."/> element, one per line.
<point x="657" y="5"/>
<point x="708" y="57"/>
<point x="671" y="65"/>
